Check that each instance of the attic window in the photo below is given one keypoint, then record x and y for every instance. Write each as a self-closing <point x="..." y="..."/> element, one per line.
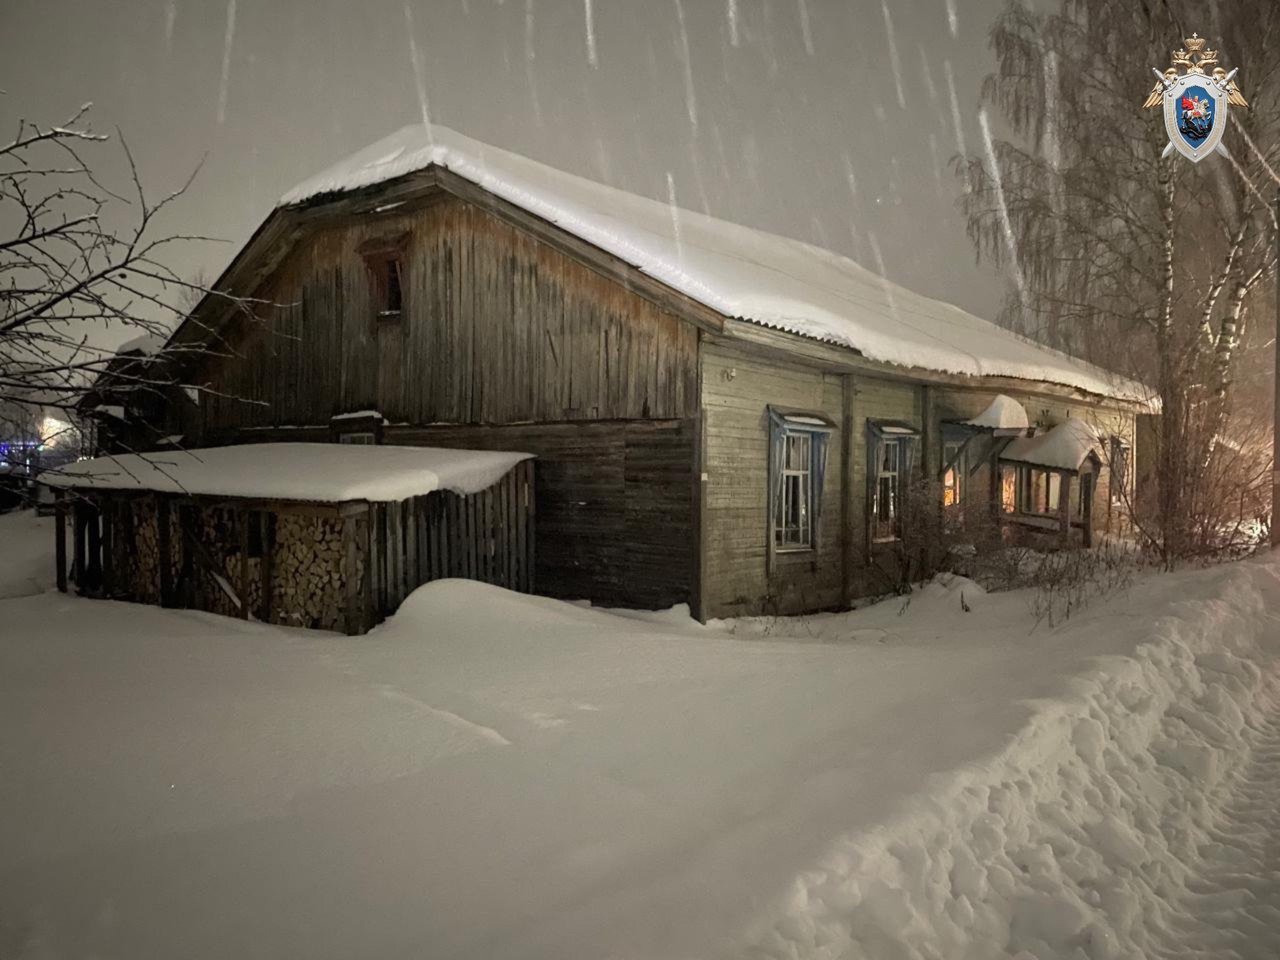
<point x="391" y="295"/>
<point x="385" y="259"/>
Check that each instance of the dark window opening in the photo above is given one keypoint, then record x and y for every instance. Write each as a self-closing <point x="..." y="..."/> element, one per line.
<point x="392" y="292"/>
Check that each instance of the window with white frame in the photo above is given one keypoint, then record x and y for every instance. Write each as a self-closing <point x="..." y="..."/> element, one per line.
<point x="891" y="447"/>
<point x="886" y="506"/>
<point x="798" y="444"/>
<point x="361" y="437"/>
<point x="793" y="522"/>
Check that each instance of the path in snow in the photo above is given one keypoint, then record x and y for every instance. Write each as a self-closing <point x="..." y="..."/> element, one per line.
<point x="1232" y="909"/>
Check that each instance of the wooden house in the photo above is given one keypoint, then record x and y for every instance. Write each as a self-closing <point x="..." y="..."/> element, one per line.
<point x="721" y="417"/>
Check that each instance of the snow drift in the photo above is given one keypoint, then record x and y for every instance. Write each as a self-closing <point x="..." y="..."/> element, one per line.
<point x="496" y="776"/>
<point x="1122" y="822"/>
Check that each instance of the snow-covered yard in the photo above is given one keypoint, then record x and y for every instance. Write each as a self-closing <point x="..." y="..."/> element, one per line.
<point x="491" y="775"/>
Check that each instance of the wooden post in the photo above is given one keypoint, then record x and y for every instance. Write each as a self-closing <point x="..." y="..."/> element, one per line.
<point x="106" y="517"/>
<point x="78" y="563"/>
<point x="1088" y="486"/>
<point x="93" y="531"/>
<point x="352" y="589"/>
<point x="163" y="538"/>
<point x="366" y="579"/>
<point x="1275" y="429"/>
<point x="268" y="562"/>
<point x="847" y="538"/>
<point x="242" y="525"/>
<point x="1064" y="507"/>
<point x="60" y="543"/>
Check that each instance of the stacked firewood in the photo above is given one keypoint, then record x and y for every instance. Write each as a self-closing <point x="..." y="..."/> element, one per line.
<point x="307" y="580"/>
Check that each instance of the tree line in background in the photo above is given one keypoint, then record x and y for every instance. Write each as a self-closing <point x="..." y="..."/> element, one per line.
<point x="1161" y="269"/>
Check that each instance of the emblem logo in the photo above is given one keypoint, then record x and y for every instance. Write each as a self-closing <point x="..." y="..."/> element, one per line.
<point x="1195" y="102"/>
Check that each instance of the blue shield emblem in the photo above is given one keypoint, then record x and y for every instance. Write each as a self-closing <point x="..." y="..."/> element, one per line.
<point x="1195" y="115"/>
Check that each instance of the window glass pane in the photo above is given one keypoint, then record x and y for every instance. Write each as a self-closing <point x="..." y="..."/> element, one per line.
<point x="1055" y="492"/>
<point x="791" y="485"/>
<point x="1008" y="497"/>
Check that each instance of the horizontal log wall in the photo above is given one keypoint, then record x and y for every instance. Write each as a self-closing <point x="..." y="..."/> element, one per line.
<point x="497" y="327"/>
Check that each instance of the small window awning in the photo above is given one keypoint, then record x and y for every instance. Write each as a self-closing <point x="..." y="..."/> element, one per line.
<point x="892" y="428"/>
<point x="1064" y="447"/>
<point x="801" y="419"/>
<point x="1004" y="416"/>
<point x="305" y="472"/>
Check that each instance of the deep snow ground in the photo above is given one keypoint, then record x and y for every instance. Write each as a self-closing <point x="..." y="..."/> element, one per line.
<point x="492" y="775"/>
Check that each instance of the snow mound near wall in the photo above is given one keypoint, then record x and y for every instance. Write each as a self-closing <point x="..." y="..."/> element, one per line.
<point x="1091" y="835"/>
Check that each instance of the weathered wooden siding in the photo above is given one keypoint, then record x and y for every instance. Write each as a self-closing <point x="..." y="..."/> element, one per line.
<point x="737" y="389"/>
<point x="872" y="566"/>
<point x="615" y="508"/>
<point x="497" y="327"/>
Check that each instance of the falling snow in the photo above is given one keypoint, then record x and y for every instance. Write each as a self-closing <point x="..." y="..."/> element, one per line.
<point x="226" y="61"/>
<point x="997" y="182"/>
<point x="953" y="19"/>
<point x="894" y="62"/>
<point x="589" y="15"/>
<point x="805" y="31"/>
<point x="419" y="72"/>
<point x="691" y="103"/>
<point x="957" y="122"/>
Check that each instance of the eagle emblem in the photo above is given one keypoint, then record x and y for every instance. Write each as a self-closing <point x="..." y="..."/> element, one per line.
<point x="1195" y="101"/>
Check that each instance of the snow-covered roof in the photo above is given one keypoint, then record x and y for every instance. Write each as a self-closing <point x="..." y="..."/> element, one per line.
<point x="1063" y="447"/>
<point x="323" y="472"/>
<point x="742" y="273"/>
<point x="1004" y="413"/>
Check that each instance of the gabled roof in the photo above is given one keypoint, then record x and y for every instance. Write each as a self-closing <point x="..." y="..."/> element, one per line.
<point x="736" y="271"/>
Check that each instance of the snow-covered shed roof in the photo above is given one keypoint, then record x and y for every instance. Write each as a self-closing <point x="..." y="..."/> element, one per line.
<point x="319" y="472"/>
<point x="1003" y="413"/>
<point x="1062" y="447"/>
<point x="145" y="343"/>
<point x="742" y="273"/>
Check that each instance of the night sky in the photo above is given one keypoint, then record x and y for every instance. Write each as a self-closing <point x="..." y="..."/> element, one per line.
<point x="826" y="120"/>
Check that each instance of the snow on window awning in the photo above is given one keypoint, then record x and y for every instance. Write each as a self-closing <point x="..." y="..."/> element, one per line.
<point x="741" y="273"/>
<point x="312" y="472"/>
<point x="1004" y="413"/>
<point x="800" y="420"/>
<point x="1063" y="447"/>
